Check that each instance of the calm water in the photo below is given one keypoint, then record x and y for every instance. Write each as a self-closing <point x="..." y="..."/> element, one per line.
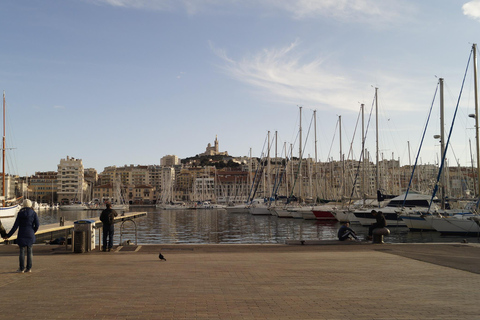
<point x="219" y="226"/>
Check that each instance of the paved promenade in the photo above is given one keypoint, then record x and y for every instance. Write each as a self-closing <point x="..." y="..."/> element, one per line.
<point x="326" y="281"/>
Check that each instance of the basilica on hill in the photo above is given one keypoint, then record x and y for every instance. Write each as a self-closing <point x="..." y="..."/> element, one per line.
<point x="213" y="150"/>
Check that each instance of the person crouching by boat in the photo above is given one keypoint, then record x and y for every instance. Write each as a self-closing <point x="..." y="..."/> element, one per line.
<point x="346" y="233"/>
<point x="381" y="222"/>
<point x="27" y="224"/>
<point x="108" y="219"/>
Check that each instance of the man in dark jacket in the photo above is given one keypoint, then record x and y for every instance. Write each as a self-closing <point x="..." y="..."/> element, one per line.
<point x="27" y="224"/>
<point x="107" y="217"/>
<point x="381" y="222"/>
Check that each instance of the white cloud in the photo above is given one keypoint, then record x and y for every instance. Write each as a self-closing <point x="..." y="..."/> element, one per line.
<point x="472" y="9"/>
<point x="282" y="75"/>
<point x="58" y="107"/>
<point x="351" y="10"/>
<point x="345" y="10"/>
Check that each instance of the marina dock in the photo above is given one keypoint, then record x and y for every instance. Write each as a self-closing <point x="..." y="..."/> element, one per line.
<point x="52" y="231"/>
<point x="361" y="281"/>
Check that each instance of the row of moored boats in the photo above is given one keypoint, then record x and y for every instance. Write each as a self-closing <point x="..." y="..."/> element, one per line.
<point x="414" y="211"/>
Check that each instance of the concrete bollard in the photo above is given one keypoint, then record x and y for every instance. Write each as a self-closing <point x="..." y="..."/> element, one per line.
<point x="62" y="221"/>
<point x="379" y="233"/>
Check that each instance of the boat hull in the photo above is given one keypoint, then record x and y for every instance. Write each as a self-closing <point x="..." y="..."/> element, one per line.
<point x="417" y="222"/>
<point x="323" y="214"/>
<point x="465" y="226"/>
<point x="9" y="212"/>
<point x="366" y="218"/>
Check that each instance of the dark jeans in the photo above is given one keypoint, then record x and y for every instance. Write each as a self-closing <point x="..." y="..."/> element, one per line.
<point x="108" y="231"/>
<point x="29" y="257"/>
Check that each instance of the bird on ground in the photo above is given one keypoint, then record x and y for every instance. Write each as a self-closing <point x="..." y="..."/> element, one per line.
<point x="161" y="257"/>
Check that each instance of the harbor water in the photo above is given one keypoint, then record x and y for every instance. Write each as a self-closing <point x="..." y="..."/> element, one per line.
<point x="217" y="226"/>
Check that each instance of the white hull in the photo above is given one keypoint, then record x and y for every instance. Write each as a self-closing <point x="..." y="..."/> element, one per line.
<point x="342" y="215"/>
<point x="73" y="207"/>
<point x="210" y="206"/>
<point x="308" y="215"/>
<point x="281" y="212"/>
<point x="416" y="221"/>
<point x="121" y="207"/>
<point x="296" y="214"/>
<point x="458" y="225"/>
<point x="9" y="212"/>
<point x="171" y="206"/>
<point x="259" y="210"/>
<point x="243" y="208"/>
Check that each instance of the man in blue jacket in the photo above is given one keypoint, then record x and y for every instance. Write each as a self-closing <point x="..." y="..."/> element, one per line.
<point x="27" y="224"/>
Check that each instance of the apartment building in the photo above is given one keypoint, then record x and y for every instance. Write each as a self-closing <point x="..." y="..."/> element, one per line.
<point x="71" y="186"/>
<point x="42" y="187"/>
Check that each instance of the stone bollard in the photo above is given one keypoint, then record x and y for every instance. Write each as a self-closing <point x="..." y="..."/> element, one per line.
<point x="62" y="221"/>
<point x="379" y="233"/>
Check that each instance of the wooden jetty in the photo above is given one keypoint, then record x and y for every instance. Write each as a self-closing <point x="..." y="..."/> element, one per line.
<point x="53" y="231"/>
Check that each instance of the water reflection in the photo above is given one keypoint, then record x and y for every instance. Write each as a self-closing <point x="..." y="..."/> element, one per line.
<point x="219" y="226"/>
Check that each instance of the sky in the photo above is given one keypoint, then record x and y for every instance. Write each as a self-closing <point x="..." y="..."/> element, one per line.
<point x="120" y="82"/>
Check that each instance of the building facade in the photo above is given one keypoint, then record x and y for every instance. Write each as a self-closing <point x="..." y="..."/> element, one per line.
<point x="71" y="186"/>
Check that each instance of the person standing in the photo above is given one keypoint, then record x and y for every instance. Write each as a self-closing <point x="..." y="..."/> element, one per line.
<point x="27" y="224"/>
<point x="108" y="219"/>
<point x="380" y="222"/>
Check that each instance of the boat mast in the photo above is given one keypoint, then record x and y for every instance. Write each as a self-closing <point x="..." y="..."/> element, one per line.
<point x="3" y="152"/>
<point x="315" y="163"/>
<point x="300" y="158"/>
<point x="474" y="48"/>
<point x="269" y="183"/>
<point x="376" y="124"/>
<point x="363" y="152"/>
<point x="343" y="185"/>
<point x="442" y="142"/>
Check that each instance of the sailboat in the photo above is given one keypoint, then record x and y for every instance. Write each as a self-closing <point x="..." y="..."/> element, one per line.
<point x="6" y="211"/>
<point x="118" y="202"/>
<point x="75" y="206"/>
<point x="415" y="219"/>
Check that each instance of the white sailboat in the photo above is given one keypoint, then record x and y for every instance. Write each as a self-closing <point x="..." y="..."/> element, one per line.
<point x="118" y="202"/>
<point x="75" y="206"/>
<point x="464" y="223"/>
<point x="6" y="211"/>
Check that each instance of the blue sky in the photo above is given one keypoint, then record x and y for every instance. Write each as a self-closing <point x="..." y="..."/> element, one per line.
<point x="117" y="82"/>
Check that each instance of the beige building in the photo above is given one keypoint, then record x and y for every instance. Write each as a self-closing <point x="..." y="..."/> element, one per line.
<point x="71" y="186"/>
<point x="141" y="194"/>
<point x="169" y="161"/>
<point x="128" y="175"/>
<point x="42" y="187"/>
<point x="10" y="187"/>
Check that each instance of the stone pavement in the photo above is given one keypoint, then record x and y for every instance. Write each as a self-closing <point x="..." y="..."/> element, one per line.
<point x="331" y="281"/>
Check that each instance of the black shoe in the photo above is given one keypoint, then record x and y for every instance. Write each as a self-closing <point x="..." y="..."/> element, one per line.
<point x="104" y="249"/>
<point x="109" y="249"/>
